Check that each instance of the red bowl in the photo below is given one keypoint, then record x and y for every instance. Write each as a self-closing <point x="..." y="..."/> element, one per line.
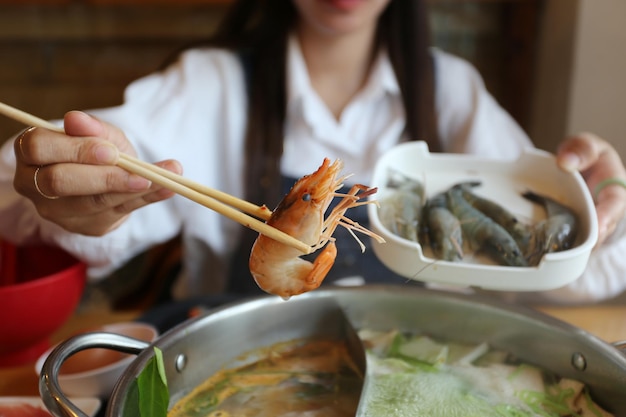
<point x="40" y="288"/>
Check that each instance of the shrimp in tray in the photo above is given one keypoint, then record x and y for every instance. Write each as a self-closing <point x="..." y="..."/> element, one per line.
<point x="277" y="268"/>
<point x="521" y="232"/>
<point x="557" y="232"/>
<point x="444" y="229"/>
<point x="482" y="232"/>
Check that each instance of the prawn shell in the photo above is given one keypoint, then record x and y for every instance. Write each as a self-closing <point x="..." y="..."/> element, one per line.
<point x="521" y="232"/>
<point x="277" y="268"/>
<point x="280" y="270"/>
<point x="444" y="229"/>
<point x="557" y="232"/>
<point x="401" y="213"/>
<point x="301" y="211"/>
<point x="483" y="233"/>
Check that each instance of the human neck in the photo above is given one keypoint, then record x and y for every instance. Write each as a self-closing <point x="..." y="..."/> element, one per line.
<point x="338" y="66"/>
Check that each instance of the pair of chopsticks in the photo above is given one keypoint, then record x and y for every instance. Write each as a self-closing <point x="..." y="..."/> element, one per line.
<point x="218" y="201"/>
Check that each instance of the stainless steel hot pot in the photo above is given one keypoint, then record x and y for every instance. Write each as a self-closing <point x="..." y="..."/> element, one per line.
<point x="198" y="347"/>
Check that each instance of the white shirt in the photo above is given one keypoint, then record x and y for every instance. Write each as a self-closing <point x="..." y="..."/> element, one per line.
<point x="195" y="112"/>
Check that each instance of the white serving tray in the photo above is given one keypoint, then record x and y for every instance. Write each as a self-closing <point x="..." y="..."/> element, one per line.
<point x="502" y="181"/>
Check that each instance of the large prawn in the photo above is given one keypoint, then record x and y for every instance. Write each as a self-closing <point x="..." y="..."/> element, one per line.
<point x="401" y="210"/>
<point x="277" y="268"/>
<point x="557" y="232"/>
<point x="521" y="232"/>
<point x="444" y="229"/>
<point x="482" y="232"/>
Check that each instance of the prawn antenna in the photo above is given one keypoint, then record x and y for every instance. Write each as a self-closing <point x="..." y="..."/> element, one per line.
<point x="352" y="225"/>
<point x="428" y="265"/>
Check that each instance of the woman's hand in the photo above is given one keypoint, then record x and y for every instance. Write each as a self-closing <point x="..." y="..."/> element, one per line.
<point x="597" y="161"/>
<point x="72" y="178"/>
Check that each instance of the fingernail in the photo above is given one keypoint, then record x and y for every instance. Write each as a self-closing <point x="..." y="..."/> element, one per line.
<point x="137" y="183"/>
<point x="569" y="162"/>
<point x="106" y="154"/>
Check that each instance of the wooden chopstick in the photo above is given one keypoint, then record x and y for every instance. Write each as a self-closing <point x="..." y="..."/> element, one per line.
<point x="262" y="212"/>
<point x="218" y="201"/>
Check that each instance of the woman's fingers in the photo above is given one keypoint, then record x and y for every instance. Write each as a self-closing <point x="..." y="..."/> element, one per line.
<point x="81" y="124"/>
<point x="610" y="208"/>
<point x="578" y="152"/>
<point x="597" y="160"/>
<point x="97" y="214"/>
<point x="591" y="155"/>
<point x="43" y="147"/>
<point x="78" y="180"/>
<point x="72" y="178"/>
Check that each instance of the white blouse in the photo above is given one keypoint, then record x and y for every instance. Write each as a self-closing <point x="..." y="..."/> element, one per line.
<point x="195" y="112"/>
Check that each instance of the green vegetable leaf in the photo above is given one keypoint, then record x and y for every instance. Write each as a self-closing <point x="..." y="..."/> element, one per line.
<point x="154" y="394"/>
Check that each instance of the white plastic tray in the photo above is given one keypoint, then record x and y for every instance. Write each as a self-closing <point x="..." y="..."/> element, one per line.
<point x="502" y="181"/>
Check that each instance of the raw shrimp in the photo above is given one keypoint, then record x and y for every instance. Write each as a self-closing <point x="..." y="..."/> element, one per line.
<point x="278" y="268"/>
<point x="399" y="181"/>
<point x="444" y="229"/>
<point x="483" y="233"/>
<point x="401" y="209"/>
<point x="521" y="232"/>
<point x="557" y="232"/>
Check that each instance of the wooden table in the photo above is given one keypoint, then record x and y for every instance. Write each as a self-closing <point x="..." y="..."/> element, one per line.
<point x="23" y="380"/>
<point x="606" y="322"/>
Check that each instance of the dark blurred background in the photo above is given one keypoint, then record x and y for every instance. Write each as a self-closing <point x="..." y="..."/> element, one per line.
<point x="555" y="65"/>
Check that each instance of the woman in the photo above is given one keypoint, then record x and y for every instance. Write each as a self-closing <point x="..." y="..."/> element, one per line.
<point x="282" y="85"/>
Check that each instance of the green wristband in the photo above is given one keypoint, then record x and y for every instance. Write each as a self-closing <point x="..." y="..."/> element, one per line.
<point x="604" y="183"/>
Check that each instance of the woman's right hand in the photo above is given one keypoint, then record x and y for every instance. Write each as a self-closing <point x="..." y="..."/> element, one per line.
<point x="72" y="179"/>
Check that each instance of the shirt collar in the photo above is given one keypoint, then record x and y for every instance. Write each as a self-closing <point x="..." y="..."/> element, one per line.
<point x="382" y="77"/>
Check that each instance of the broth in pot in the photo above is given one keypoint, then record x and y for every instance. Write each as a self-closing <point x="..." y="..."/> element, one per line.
<point x="408" y="375"/>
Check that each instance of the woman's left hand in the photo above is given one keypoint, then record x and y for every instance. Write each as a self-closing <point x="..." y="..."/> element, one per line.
<point x="597" y="160"/>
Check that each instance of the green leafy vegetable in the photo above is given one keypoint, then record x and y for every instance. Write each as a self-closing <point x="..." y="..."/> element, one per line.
<point x="397" y="351"/>
<point x="419" y="376"/>
<point x="152" y="387"/>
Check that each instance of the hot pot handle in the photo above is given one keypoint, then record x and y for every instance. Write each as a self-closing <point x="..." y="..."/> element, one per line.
<point x="621" y="346"/>
<point x="49" y="388"/>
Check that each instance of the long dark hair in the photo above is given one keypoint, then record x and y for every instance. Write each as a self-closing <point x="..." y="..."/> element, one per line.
<point x="259" y="29"/>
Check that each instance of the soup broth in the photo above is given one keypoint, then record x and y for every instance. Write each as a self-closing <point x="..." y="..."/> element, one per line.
<point x="308" y="377"/>
<point x="407" y="375"/>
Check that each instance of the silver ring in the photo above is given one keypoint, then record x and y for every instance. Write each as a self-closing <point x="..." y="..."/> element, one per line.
<point x="41" y="193"/>
<point x="21" y="139"/>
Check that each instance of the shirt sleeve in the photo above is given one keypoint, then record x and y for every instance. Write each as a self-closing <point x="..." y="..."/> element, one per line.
<point x="187" y="112"/>
<point x="470" y="120"/>
<point x="22" y="224"/>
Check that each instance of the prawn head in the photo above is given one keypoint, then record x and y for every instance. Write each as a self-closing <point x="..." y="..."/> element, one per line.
<point x="279" y="269"/>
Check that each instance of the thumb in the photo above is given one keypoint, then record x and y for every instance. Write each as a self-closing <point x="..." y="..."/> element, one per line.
<point x="581" y="151"/>
<point x="78" y="123"/>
